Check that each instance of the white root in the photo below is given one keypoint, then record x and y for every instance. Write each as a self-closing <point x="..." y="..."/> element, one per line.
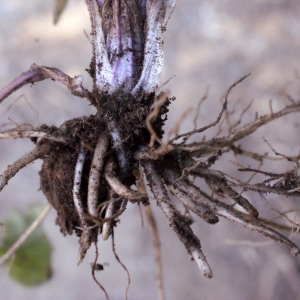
<point x="227" y="212"/>
<point x="118" y="145"/>
<point x="13" y="169"/>
<point x="107" y="226"/>
<point x="114" y="208"/>
<point x="16" y="134"/>
<point x="86" y="235"/>
<point x="194" y="207"/>
<point x="95" y="173"/>
<point x="178" y="224"/>
<point x="117" y="186"/>
<point x="201" y="210"/>
<point x="77" y="184"/>
<point x="201" y="262"/>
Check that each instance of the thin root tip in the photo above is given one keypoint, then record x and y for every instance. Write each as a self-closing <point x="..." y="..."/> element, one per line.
<point x="81" y="256"/>
<point x="208" y="275"/>
<point x="79" y="261"/>
<point x="106" y="231"/>
<point x="202" y="264"/>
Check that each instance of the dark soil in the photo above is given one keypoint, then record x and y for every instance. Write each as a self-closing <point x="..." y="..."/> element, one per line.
<point x="57" y="174"/>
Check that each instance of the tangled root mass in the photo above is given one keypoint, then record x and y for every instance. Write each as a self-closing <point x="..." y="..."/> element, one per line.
<point x="57" y="175"/>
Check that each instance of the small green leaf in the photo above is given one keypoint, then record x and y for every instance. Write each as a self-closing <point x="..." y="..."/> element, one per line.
<point x="58" y="10"/>
<point x="31" y="262"/>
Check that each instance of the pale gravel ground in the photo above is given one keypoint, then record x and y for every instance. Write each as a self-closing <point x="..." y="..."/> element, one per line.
<point x="207" y="43"/>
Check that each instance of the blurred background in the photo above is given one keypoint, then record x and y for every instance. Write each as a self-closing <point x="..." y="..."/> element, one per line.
<point x="207" y="43"/>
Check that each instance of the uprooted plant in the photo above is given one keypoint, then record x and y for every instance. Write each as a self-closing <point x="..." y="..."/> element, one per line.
<point x="90" y="163"/>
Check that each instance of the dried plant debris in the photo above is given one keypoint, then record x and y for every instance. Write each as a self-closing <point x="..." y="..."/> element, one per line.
<point x="91" y="163"/>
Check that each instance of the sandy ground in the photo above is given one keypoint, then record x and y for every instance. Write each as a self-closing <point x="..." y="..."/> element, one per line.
<point x="208" y="43"/>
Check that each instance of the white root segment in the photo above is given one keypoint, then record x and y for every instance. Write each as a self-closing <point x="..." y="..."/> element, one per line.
<point x="18" y="134"/>
<point x="194" y="207"/>
<point x="228" y="213"/>
<point x="13" y="169"/>
<point x="201" y="262"/>
<point x="107" y="226"/>
<point x="202" y="211"/>
<point x="86" y="235"/>
<point x="177" y="222"/>
<point x="118" y="145"/>
<point x="95" y="173"/>
<point x="23" y="238"/>
<point x="113" y="208"/>
<point x="117" y="186"/>
<point x="77" y="184"/>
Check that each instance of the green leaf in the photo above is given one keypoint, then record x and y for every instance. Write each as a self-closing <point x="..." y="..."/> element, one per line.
<point x="58" y="10"/>
<point x="31" y="262"/>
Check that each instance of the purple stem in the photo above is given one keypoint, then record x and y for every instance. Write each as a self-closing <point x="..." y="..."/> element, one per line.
<point x="38" y="73"/>
<point x="31" y="76"/>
